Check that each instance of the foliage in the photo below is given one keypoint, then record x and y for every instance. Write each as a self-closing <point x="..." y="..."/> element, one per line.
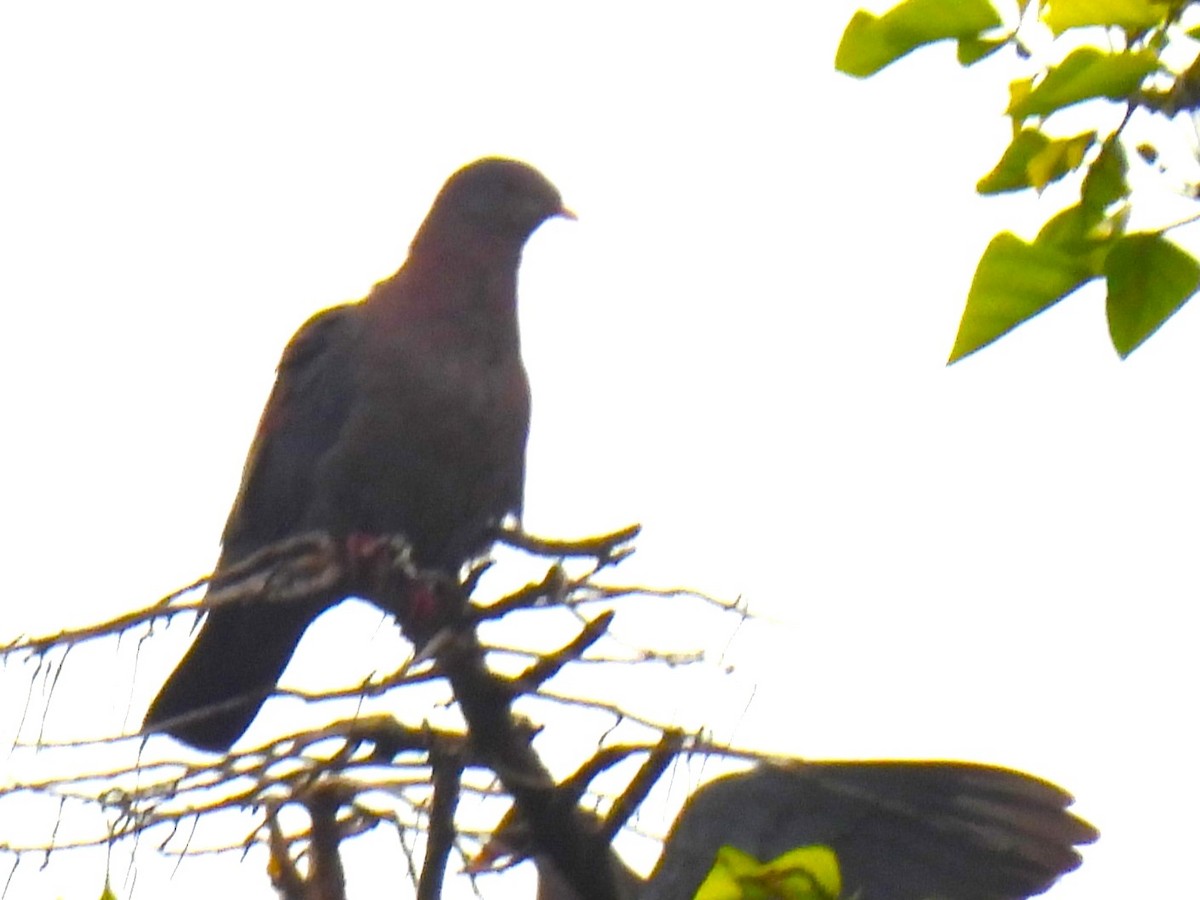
<point x="806" y="873"/>
<point x="1147" y="277"/>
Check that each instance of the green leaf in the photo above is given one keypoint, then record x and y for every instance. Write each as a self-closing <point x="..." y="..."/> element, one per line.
<point x="1058" y="158"/>
<point x="1012" y="172"/>
<point x="806" y="873"/>
<point x="1013" y="282"/>
<point x="108" y="893"/>
<point x="1018" y="91"/>
<point x="1084" y="232"/>
<point x="1149" y="279"/>
<point x="1086" y="73"/>
<point x="1130" y="15"/>
<point x="1034" y="160"/>
<point x="1105" y="182"/>
<point x="1072" y="231"/>
<point x="871" y="42"/>
<point x="721" y="883"/>
<point x="972" y="49"/>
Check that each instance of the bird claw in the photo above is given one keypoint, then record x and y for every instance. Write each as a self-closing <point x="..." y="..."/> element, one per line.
<point x="364" y="548"/>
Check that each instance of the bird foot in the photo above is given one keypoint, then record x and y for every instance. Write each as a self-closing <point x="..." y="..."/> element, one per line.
<point x="414" y="600"/>
<point x="423" y="606"/>
<point x="363" y="548"/>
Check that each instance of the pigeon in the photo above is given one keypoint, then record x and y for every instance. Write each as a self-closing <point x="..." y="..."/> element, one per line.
<point x="900" y="831"/>
<point x="403" y="414"/>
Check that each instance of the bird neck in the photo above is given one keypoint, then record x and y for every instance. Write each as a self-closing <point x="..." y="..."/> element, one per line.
<point x="477" y="268"/>
<point x="453" y="241"/>
<point x="458" y="296"/>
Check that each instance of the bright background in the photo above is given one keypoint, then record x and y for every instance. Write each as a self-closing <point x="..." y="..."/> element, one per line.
<point x="740" y="344"/>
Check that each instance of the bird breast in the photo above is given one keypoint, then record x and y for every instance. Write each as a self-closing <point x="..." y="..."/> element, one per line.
<point x="433" y="445"/>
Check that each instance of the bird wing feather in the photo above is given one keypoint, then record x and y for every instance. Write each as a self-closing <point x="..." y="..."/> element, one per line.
<point x="901" y="830"/>
<point x="301" y="422"/>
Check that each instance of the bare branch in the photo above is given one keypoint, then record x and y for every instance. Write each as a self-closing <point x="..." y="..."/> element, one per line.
<point x="447" y="780"/>
<point x="601" y="547"/>
<point x="550" y="664"/>
<point x="357" y="773"/>
<point x="326" y="880"/>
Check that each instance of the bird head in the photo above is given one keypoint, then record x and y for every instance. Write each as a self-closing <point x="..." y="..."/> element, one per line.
<point x="492" y="200"/>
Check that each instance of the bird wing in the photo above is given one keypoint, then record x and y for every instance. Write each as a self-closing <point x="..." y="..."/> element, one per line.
<point x="302" y="420"/>
<point x="946" y="829"/>
<point x="901" y="830"/>
<point x="242" y="649"/>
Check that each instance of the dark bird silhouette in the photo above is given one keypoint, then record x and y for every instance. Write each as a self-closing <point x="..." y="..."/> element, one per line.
<point x="405" y="413"/>
<point x="901" y="831"/>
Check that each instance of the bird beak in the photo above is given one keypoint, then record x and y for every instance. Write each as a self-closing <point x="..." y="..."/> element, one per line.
<point x="567" y="214"/>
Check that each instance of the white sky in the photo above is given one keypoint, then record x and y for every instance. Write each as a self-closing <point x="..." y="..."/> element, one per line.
<point x="740" y="344"/>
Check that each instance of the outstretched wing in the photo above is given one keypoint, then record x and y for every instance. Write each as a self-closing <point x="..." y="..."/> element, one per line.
<point x="901" y="830"/>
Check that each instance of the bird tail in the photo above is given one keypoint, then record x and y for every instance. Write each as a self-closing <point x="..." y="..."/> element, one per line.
<point x="230" y="670"/>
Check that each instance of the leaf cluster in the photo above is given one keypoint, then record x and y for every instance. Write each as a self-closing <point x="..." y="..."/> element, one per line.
<point x="1147" y="277"/>
<point x="805" y="873"/>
